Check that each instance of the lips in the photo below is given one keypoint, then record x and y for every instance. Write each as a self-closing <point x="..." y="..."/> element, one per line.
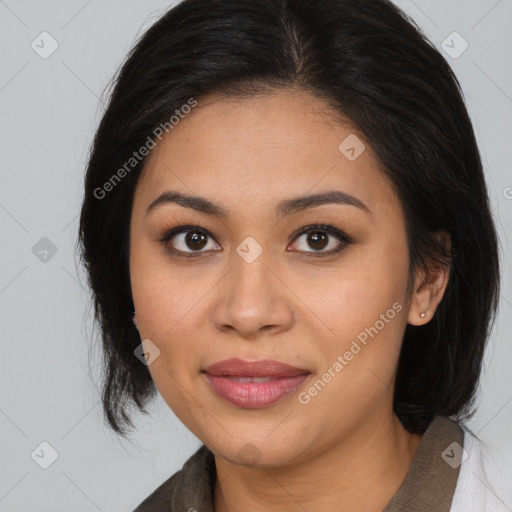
<point x="240" y="368"/>
<point x="254" y="384"/>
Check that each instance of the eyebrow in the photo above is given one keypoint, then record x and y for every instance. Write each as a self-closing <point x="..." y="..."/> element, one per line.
<point x="283" y="208"/>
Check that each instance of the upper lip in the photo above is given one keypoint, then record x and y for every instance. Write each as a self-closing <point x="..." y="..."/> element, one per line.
<point x="264" y="368"/>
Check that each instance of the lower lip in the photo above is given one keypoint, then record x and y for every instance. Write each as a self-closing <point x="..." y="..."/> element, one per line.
<point x="255" y="394"/>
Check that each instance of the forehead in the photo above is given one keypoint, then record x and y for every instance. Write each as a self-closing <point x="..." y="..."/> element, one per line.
<point x="262" y="149"/>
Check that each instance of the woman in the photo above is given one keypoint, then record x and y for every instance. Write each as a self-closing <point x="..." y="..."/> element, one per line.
<point x="288" y="197"/>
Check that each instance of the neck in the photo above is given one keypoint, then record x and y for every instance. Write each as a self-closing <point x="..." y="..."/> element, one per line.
<point x="361" y="472"/>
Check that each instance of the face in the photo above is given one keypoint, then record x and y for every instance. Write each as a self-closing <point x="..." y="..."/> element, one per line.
<point x="250" y="284"/>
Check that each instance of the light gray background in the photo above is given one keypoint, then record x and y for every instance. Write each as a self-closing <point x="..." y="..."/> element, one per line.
<point x="49" y="111"/>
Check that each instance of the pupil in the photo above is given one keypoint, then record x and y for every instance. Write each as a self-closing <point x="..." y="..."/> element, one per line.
<point x="193" y="237"/>
<point x="317" y="237"/>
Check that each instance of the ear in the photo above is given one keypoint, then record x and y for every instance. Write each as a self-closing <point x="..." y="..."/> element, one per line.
<point x="429" y="287"/>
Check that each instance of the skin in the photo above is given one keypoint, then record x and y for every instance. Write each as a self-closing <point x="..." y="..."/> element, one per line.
<point x="345" y="450"/>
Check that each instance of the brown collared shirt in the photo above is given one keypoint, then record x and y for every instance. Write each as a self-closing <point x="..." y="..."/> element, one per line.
<point x="429" y="485"/>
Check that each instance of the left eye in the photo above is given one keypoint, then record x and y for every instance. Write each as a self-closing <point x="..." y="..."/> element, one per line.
<point x="319" y="237"/>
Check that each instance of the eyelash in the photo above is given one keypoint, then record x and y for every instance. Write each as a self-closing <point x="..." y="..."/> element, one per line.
<point x="344" y="239"/>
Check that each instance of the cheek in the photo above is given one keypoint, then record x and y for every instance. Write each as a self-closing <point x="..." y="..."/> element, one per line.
<point x="172" y="313"/>
<point x="358" y="368"/>
<point x="165" y="295"/>
<point x="351" y="294"/>
<point x="363" y="304"/>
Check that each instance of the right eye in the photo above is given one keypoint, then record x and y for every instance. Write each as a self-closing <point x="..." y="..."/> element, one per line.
<point x="188" y="237"/>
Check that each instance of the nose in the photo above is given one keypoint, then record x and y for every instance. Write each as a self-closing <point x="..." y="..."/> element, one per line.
<point x="253" y="299"/>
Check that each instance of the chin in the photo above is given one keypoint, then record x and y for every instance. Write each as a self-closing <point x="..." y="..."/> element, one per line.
<point x="259" y="451"/>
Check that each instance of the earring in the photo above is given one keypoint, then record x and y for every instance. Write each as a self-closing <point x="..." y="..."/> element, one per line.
<point x="422" y="315"/>
<point x="134" y="320"/>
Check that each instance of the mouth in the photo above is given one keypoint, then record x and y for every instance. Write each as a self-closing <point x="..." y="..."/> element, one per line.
<point x="251" y="379"/>
<point x="254" y="384"/>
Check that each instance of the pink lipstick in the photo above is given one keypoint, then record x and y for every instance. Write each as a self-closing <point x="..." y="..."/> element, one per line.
<point x="254" y="384"/>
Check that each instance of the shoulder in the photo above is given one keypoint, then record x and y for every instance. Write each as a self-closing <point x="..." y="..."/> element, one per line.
<point x="191" y="485"/>
<point x="485" y="478"/>
<point x="160" y="499"/>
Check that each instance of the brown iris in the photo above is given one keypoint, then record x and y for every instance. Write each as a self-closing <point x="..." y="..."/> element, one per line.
<point x="316" y="238"/>
<point x="195" y="238"/>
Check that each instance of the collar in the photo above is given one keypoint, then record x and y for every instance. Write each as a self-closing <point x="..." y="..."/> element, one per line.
<point x="429" y="484"/>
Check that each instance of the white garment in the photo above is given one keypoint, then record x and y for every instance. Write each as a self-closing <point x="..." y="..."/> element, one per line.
<point x="482" y="485"/>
